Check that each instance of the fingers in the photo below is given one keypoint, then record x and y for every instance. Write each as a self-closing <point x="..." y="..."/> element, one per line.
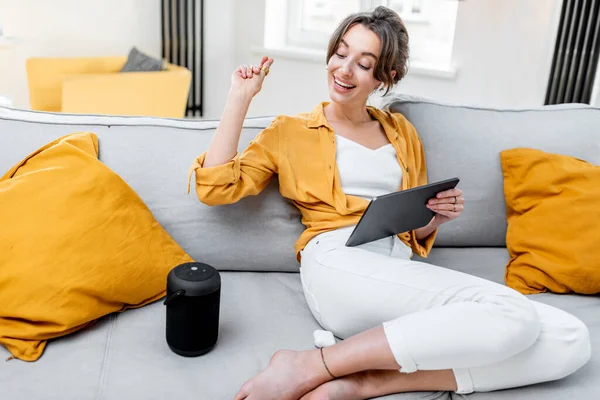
<point x="247" y="71"/>
<point x="268" y="62"/>
<point x="449" y="203"/>
<point x="241" y="71"/>
<point x="453" y="196"/>
<point x="448" y="200"/>
<point x="244" y="392"/>
<point x="266" y="65"/>
<point x="448" y="214"/>
<point x="449" y="193"/>
<point x="446" y="207"/>
<point x="262" y="61"/>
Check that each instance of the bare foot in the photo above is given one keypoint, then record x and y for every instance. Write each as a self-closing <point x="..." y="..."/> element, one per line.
<point x="347" y="388"/>
<point x="288" y="376"/>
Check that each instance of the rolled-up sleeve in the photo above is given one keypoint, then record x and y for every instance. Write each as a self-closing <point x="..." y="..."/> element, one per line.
<point x="422" y="247"/>
<point x="244" y="175"/>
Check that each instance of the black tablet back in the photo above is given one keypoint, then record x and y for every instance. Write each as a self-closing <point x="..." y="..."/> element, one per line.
<point x="397" y="212"/>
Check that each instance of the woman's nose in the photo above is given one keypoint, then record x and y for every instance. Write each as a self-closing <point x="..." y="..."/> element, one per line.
<point x="345" y="68"/>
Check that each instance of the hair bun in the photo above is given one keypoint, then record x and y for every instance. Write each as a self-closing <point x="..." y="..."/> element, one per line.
<point x="382" y="12"/>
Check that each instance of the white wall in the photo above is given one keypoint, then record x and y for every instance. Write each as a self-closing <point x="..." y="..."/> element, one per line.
<point x="219" y="54"/>
<point x="503" y="52"/>
<point x="72" y="28"/>
<point x="595" y="100"/>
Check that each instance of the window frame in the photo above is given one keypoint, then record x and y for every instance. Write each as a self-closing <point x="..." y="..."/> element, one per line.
<point x="295" y="36"/>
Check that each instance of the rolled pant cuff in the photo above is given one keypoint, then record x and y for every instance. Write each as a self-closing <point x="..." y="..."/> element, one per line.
<point x="464" y="382"/>
<point x="399" y="347"/>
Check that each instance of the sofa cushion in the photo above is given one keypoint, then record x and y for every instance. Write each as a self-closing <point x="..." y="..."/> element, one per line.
<point x="466" y="141"/>
<point x="76" y="244"/>
<point x="71" y="367"/>
<point x="553" y="211"/>
<point x="138" y="61"/>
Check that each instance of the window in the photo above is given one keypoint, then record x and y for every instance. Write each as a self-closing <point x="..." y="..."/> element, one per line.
<point x="430" y="25"/>
<point x="409" y="10"/>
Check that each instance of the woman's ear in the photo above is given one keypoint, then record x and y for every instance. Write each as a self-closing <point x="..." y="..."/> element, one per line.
<point x="393" y="74"/>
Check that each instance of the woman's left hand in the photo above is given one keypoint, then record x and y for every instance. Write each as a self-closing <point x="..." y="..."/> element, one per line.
<point x="447" y="205"/>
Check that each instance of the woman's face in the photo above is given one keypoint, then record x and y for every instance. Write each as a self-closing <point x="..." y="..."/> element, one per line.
<point x="350" y="68"/>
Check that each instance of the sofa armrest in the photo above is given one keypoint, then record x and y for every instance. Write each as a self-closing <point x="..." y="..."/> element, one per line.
<point x="159" y="94"/>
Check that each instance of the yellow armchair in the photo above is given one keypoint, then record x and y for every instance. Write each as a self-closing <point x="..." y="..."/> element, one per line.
<point x="94" y="85"/>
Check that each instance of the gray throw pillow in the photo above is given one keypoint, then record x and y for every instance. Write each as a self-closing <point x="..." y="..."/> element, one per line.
<point x="138" y="61"/>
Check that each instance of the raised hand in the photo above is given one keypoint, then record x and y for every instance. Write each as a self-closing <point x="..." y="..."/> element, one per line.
<point x="247" y="80"/>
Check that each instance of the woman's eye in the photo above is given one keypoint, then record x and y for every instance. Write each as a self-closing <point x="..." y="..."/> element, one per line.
<point x="339" y="55"/>
<point x="363" y="67"/>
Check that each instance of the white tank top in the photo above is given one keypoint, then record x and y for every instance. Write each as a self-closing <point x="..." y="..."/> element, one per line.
<point x="367" y="173"/>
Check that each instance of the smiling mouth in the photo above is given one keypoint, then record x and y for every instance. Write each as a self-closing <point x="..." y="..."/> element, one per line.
<point x="342" y="84"/>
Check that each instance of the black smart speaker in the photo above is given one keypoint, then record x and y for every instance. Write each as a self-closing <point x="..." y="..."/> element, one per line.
<point x="193" y="299"/>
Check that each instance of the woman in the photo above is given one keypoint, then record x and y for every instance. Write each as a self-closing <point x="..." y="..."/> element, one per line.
<point x="408" y="326"/>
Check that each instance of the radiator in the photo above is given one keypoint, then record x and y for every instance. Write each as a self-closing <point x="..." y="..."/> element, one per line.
<point x="182" y="35"/>
<point x="576" y="53"/>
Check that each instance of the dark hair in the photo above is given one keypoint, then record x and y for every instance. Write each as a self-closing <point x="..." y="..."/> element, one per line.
<point x="386" y="24"/>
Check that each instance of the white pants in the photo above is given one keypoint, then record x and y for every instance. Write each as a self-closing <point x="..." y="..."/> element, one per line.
<point x="435" y="318"/>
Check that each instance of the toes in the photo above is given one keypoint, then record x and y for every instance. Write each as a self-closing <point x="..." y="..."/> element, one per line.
<point x="315" y="395"/>
<point x="308" y="396"/>
<point x="244" y="391"/>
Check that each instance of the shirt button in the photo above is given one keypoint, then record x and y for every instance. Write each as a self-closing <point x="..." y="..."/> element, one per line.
<point x="330" y="167"/>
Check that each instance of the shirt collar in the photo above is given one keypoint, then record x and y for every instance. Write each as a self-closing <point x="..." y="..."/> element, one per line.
<point x="317" y="118"/>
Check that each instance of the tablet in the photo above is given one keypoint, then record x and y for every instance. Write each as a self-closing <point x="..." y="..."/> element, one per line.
<point x="397" y="212"/>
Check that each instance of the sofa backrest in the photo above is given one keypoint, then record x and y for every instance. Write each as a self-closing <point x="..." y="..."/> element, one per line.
<point x="153" y="156"/>
<point x="466" y="141"/>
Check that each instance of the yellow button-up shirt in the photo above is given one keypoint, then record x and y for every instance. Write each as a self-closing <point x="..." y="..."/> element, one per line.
<point x="301" y="151"/>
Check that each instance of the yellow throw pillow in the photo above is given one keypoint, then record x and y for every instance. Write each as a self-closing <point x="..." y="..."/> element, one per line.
<point x="76" y="243"/>
<point x="553" y="213"/>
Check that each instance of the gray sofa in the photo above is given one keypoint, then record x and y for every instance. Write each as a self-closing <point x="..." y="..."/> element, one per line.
<point x="262" y="307"/>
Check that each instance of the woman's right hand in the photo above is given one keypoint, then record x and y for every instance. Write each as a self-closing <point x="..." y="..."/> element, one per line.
<point x="247" y="80"/>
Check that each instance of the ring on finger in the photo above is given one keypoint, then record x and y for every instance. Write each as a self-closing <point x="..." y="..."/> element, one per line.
<point x="454" y="209"/>
<point x="455" y="200"/>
